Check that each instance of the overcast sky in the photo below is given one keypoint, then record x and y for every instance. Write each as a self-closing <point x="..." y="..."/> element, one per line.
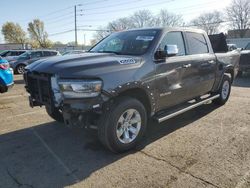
<point x="58" y="15"/>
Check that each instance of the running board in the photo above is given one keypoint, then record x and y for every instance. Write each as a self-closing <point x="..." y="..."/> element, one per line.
<point x="178" y="112"/>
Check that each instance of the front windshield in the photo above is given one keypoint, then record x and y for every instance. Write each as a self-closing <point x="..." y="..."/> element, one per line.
<point x="126" y="43"/>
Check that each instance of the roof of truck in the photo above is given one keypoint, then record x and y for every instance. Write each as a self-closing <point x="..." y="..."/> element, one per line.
<point x="169" y="29"/>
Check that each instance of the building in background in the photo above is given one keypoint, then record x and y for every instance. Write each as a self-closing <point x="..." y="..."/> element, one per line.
<point x="14" y="46"/>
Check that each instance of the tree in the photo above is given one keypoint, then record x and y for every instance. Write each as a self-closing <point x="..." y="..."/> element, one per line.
<point x="142" y="18"/>
<point x="13" y="33"/>
<point x="167" y="19"/>
<point x="209" y="22"/>
<point x="101" y="33"/>
<point x="238" y="13"/>
<point x="120" y="24"/>
<point x="38" y="34"/>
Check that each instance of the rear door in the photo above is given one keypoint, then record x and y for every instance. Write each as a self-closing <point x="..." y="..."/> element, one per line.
<point x="203" y="65"/>
<point x="173" y="75"/>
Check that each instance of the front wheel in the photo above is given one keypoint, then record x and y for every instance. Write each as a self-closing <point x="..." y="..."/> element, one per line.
<point x="122" y="127"/>
<point x="224" y="91"/>
<point x="55" y="114"/>
<point x="20" y="69"/>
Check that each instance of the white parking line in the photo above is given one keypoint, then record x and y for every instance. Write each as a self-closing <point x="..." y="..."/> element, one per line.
<point x="55" y="156"/>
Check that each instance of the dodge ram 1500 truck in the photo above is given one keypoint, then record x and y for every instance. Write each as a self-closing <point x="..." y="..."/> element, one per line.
<point x="131" y="76"/>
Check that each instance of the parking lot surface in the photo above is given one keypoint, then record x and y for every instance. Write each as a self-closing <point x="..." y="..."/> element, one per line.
<point x="206" y="147"/>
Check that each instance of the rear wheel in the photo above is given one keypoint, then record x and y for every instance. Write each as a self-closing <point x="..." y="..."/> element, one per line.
<point x="122" y="127"/>
<point x="224" y="91"/>
<point x="55" y="114"/>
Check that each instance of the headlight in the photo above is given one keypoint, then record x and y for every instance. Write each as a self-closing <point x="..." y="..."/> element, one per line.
<point x="80" y="88"/>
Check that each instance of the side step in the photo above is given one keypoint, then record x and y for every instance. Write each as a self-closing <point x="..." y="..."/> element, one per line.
<point x="177" y="112"/>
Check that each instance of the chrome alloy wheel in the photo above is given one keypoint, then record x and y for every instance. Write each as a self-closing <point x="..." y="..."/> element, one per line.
<point x="128" y="126"/>
<point x="20" y="69"/>
<point x="225" y="89"/>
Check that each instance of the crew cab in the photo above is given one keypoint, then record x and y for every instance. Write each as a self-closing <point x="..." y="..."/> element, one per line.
<point x="129" y="77"/>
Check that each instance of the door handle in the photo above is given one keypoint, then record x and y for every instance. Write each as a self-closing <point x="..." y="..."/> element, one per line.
<point x="186" y="65"/>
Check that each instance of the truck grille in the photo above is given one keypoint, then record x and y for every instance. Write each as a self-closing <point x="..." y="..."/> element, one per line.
<point x="38" y="85"/>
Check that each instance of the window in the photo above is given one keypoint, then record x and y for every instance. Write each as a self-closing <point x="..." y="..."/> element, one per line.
<point x="196" y="43"/>
<point x="47" y="53"/>
<point x="13" y="53"/>
<point x="7" y="54"/>
<point x="19" y="52"/>
<point x="126" y="43"/>
<point x="174" y="38"/>
<point x="53" y="53"/>
<point x="36" y="54"/>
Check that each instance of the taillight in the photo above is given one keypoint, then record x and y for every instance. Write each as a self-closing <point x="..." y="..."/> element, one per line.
<point x="4" y="66"/>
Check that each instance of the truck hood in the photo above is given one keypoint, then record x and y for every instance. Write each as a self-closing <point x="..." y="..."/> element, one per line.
<point x="87" y="64"/>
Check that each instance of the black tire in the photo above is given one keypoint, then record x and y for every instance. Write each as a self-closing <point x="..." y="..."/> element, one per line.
<point x="224" y="94"/>
<point x="20" y="69"/>
<point x="108" y="124"/>
<point x="55" y="114"/>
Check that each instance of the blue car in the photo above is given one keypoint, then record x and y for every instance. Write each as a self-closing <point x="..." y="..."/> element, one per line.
<point x="6" y="76"/>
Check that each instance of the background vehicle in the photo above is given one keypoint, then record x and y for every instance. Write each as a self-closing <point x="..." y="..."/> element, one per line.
<point x="130" y="76"/>
<point x="245" y="60"/>
<point x="6" y="76"/>
<point x="29" y="57"/>
<point x="232" y="47"/>
<point x="73" y="52"/>
<point x="11" y="54"/>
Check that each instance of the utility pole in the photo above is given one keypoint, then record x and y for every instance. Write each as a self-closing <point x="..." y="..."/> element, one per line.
<point x="75" y="28"/>
<point x="84" y="39"/>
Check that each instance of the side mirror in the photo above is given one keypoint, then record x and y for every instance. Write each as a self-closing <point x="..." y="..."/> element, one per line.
<point x="169" y="51"/>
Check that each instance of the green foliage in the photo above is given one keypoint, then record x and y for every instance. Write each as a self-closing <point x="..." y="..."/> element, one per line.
<point x="13" y="33"/>
<point x="38" y="35"/>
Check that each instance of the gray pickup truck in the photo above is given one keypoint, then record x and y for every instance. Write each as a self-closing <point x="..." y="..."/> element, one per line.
<point x="129" y="77"/>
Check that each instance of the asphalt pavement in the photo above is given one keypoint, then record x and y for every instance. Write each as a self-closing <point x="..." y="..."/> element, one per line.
<point x="205" y="147"/>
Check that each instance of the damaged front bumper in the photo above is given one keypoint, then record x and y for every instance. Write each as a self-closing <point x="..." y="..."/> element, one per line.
<point x="44" y="90"/>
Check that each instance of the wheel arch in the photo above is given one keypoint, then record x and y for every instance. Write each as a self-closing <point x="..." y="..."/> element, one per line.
<point x="139" y="94"/>
<point x="230" y="70"/>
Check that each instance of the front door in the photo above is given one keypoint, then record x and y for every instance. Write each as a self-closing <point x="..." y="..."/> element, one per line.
<point x="173" y="75"/>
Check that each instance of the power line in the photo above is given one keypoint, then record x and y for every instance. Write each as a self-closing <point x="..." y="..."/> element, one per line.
<point x="115" y="5"/>
<point x="59" y="33"/>
<point x="61" y="19"/>
<point x="59" y="16"/>
<point x="71" y="30"/>
<point x="126" y="9"/>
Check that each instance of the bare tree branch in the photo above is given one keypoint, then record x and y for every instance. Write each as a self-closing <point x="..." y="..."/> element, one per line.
<point x="209" y="22"/>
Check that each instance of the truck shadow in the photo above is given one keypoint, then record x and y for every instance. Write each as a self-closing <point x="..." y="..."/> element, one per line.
<point x="51" y="155"/>
<point x="243" y="81"/>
